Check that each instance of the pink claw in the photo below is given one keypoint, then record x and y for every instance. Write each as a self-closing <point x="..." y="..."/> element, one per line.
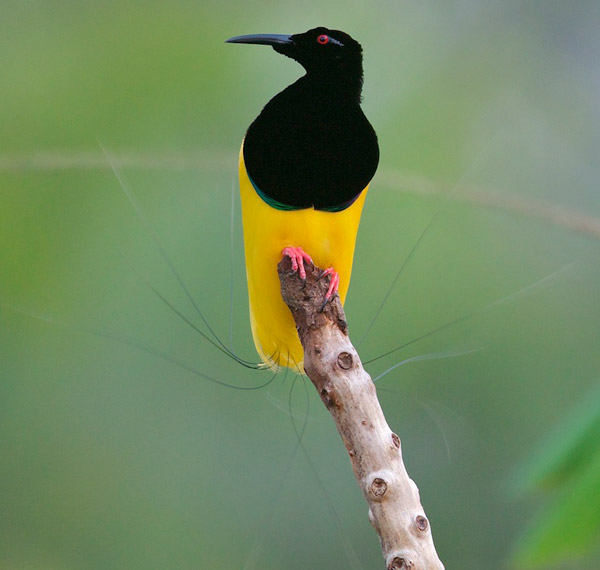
<point x="333" y="283"/>
<point x="297" y="256"/>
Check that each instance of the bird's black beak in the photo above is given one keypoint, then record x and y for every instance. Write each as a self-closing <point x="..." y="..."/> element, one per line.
<point x="262" y="39"/>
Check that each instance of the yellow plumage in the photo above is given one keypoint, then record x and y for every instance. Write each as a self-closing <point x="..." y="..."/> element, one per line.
<point x="328" y="237"/>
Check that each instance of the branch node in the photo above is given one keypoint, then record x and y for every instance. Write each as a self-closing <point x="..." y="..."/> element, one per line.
<point x="345" y="360"/>
<point x="378" y="483"/>
<point x="401" y="561"/>
<point x="378" y="487"/>
<point x="328" y="396"/>
<point x="421" y="523"/>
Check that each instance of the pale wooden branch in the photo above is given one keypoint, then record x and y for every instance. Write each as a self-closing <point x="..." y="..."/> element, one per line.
<point x="333" y="366"/>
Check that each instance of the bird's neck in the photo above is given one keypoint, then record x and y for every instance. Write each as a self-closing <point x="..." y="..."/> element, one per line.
<point x="330" y="87"/>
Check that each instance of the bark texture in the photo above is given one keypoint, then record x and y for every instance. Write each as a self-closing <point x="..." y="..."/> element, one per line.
<point x="333" y="366"/>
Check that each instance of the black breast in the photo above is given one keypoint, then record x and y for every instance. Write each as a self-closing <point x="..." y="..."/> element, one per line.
<point x="310" y="147"/>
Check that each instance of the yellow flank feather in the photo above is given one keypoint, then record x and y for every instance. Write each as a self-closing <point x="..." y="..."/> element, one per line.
<point x="328" y="237"/>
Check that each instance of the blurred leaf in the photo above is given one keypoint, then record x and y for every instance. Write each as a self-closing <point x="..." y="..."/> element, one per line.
<point x="570" y="527"/>
<point x="569" y="450"/>
<point x="569" y="462"/>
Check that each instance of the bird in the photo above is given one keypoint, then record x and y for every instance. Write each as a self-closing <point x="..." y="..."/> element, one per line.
<point x="305" y="165"/>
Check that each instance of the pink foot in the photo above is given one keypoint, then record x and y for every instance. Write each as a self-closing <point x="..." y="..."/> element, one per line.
<point x="297" y="256"/>
<point x="334" y="283"/>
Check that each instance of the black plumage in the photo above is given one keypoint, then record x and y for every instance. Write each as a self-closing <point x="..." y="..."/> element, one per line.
<point x="312" y="146"/>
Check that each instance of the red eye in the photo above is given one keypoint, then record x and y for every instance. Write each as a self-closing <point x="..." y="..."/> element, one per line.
<point x="323" y="39"/>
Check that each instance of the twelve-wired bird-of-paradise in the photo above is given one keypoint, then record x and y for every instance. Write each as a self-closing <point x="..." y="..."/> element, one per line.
<point x="305" y="166"/>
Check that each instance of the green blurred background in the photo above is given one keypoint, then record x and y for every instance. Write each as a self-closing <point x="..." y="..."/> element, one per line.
<point x="116" y="458"/>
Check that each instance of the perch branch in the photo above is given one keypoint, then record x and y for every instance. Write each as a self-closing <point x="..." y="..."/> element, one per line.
<point x="333" y="366"/>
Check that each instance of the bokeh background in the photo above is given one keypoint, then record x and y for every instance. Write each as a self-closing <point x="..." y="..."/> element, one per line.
<point x="113" y="455"/>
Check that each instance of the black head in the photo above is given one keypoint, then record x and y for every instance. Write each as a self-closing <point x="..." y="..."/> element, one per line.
<point x="319" y="51"/>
